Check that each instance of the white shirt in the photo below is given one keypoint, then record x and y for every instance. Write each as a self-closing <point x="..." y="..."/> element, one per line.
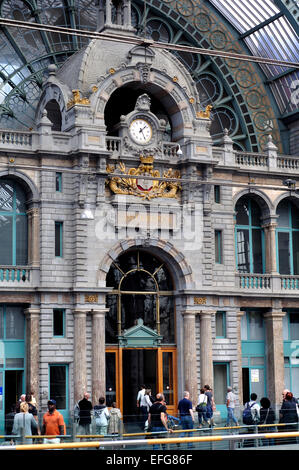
<point x="145" y="401"/>
<point x="202" y="398"/>
<point x="255" y="409"/>
<point x="232" y="399"/>
<point x="140" y="394"/>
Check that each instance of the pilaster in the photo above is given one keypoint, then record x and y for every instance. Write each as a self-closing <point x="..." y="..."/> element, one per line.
<point x="80" y="379"/>
<point x="190" y="373"/>
<point x="98" y="354"/>
<point x="206" y="348"/>
<point x="32" y="316"/>
<point x="274" y="354"/>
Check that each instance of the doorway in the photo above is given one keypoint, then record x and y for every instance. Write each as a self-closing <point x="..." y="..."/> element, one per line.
<point x="128" y="368"/>
<point x="13" y="391"/>
<point x="139" y="367"/>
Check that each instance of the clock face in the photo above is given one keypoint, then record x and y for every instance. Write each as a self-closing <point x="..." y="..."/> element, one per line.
<point x="141" y="131"/>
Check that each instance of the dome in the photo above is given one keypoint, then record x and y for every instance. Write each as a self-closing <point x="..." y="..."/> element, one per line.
<point x="250" y="98"/>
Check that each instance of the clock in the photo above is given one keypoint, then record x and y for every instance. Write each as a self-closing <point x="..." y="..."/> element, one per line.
<point x="140" y="131"/>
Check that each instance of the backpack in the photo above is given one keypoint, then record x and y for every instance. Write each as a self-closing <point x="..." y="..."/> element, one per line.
<point x="101" y="417"/>
<point x="247" y="415"/>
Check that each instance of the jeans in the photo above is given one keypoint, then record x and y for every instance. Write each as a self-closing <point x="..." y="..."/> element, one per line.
<point x="231" y="416"/>
<point x="159" y="436"/>
<point x="202" y="417"/>
<point x="187" y="423"/>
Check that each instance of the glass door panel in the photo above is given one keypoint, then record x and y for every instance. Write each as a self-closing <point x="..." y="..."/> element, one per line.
<point x="110" y="378"/>
<point x="168" y="377"/>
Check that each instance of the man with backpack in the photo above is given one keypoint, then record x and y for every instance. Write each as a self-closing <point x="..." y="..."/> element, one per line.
<point x="251" y="413"/>
<point x="251" y="416"/>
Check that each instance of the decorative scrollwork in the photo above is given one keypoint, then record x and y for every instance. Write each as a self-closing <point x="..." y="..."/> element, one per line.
<point x="141" y="181"/>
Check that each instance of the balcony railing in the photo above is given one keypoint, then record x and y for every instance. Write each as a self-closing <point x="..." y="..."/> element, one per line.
<point x="255" y="281"/>
<point x="267" y="282"/>
<point x="251" y="159"/>
<point x="15" y="138"/>
<point x="20" y="275"/>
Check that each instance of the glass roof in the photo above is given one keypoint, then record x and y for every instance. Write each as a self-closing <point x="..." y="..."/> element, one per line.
<point x="266" y="28"/>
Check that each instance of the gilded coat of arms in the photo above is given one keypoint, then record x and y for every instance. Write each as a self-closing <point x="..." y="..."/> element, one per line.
<point x="141" y="181"/>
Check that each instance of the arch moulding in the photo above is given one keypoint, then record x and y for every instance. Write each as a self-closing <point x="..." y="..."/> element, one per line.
<point x="176" y="261"/>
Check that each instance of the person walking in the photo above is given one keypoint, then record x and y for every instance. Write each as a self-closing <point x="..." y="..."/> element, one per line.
<point x="85" y="408"/>
<point x="186" y="415"/>
<point x="145" y="404"/>
<point x="102" y="416"/>
<point x="231" y="401"/>
<point x="53" y="424"/>
<point x="210" y="404"/>
<point x="201" y="408"/>
<point x="24" y="424"/>
<point x="157" y="418"/>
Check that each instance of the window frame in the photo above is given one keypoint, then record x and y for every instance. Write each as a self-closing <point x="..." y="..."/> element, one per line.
<point x="218" y="246"/>
<point x="58" y="181"/>
<point x="223" y="320"/>
<point x="290" y="231"/>
<point x="55" y="311"/>
<point x="58" y="249"/>
<point x="250" y="229"/>
<point x="14" y="215"/>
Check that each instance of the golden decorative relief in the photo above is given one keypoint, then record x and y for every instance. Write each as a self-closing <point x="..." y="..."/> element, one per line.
<point x="205" y="114"/>
<point x="91" y="298"/>
<point x="140" y="184"/>
<point x="200" y="300"/>
<point x="112" y="71"/>
<point x="77" y="99"/>
<point x="175" y="79"/>
<point x="191" y="100"/>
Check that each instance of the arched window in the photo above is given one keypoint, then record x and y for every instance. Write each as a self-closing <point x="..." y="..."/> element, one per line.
<point x="13" y="224"/>
<point x="249" y="236"/>
<point x="141" y="289"/>
<point x="287" y="233"/>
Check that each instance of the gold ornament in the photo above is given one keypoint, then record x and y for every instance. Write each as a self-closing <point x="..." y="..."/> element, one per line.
<point x="140" y="182"/>
<point x="77" y="99"/>
<point x="205" y="114"/>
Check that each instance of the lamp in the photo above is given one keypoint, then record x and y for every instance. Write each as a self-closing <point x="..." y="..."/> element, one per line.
<point x="291" y="184"/>
<point x="87" y="213"/>
<point x="179" y="151"/>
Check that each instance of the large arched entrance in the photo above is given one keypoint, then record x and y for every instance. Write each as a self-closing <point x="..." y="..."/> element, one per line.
<point x="140" y="330"/>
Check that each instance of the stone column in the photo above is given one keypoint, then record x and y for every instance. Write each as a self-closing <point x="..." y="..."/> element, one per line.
<point x="33" y="236"/>
<point x="206" y="348"/>
<point x="80" y="380"/>
<point x="270" y="235"/>
<point x="274" y="355"/>
<point x="190" y="369"/>
<point x="98" y="354"/>
<point x="32" y="350"/>
<point x="239" y="353"/>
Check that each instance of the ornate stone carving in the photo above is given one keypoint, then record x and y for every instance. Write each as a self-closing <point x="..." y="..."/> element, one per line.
<point x="140" y="184"/>
<point x="77" y="99"/>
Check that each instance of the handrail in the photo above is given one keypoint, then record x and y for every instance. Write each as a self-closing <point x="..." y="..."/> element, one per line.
<point x="150" y="442"/>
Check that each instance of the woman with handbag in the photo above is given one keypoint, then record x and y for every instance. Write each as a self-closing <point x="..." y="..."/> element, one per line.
<point x="201" y="408"/>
